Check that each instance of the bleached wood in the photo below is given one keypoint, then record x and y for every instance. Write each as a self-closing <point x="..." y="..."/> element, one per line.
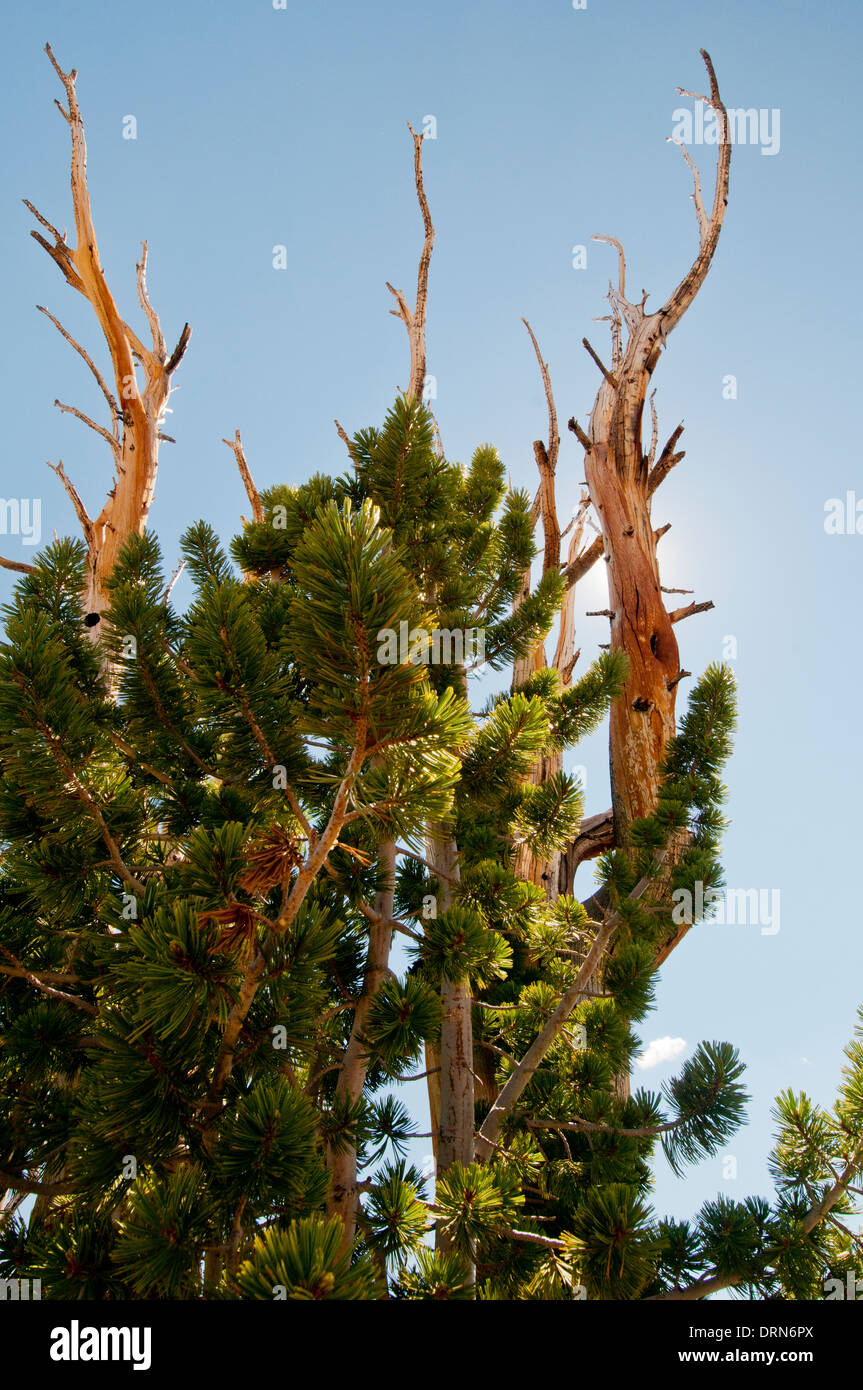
<point x="415" y="319"/>
<point x="74" y="496"/>
<point x="137" y="409"/>
<point x="236" y="446"/>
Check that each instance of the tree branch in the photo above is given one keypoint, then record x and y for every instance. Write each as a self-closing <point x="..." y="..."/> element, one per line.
<point x="23" y="973"/>
<point x="521" y="1076"/>
<point x="12" y="1182"/>
<point x="715" y="1282"/>
<point x="136" y="412"/>
<point x="110" y="439"/>
<point x="100" y="380"/>
<point x="415" y="321"/>
<point x="236" y="447"/>
<point x="666" y="461"/>
<point x="679" y="614"/>
<point x="546" y="462"/>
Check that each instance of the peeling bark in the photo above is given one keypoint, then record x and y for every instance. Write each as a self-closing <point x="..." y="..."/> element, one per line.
<point x="621" y="479"/>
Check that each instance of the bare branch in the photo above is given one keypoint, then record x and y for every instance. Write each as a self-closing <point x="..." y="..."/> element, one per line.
<point x="681" y="298"/>
<point x="49" y="226"/>
<point x="609" y="376"/>
<point x="553" y="446"/>
<point x="584" y="439"/>
<point x="110" y="439"/>
<point x="236" y="446"/>
<point x="17" y="565"/>
<point x="703" y="219"/>
<point x="179" y="352"/>
<point x="136" y="411"/>
<point x="62" y="257"/>
<point x="578" y="568"/>
<point x="532" y="1238"/>
<point x="415" y="321"/>
<point x="172" y="581"/>
<point x="679" y="613"/>
<point x="621" y="262"/>
<point x="343" y="436"/>
<point x="159" y="349"/>
<point x="595" y="836"/>
<point x="546" y="462"/>
<point x="564" y="656"/>
<point x="425" y="261"/>
<point x="80" y="509"/>
<point x="402" y="312"/>
<point x="112" y="404"/>
<point x="666" y="461"/>
<point x="654" y="429"/>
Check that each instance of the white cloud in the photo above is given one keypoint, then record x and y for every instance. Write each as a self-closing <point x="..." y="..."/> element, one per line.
<point x="660" y="1050"/>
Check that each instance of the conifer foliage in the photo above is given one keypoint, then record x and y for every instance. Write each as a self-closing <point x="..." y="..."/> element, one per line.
<point x="260" y="863"/>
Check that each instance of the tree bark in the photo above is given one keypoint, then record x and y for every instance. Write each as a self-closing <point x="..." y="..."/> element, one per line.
<point x="342" y="1163"/>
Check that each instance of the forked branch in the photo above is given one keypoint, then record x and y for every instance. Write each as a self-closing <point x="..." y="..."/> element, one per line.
<point x="137" y="409"/>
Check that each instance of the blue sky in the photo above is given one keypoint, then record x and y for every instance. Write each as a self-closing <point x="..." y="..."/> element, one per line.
<point x="259" y="127"/>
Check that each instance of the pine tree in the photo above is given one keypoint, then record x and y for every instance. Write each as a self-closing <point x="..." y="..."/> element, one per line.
<point x="215" y="822"/>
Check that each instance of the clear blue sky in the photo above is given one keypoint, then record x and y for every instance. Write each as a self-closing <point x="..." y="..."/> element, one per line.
<point x="259" y="127"/>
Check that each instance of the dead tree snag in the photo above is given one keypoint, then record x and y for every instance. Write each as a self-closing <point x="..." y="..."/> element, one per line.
<point x="136" y="408"/>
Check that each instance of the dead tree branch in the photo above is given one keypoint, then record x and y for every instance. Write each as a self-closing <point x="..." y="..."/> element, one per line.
<point x="137" y="410"/>
<point x="236" y="446"/>
<point x="415" y="320"/>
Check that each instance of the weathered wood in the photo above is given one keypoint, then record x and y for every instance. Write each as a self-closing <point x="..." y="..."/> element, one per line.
<point x="137" y="410"/>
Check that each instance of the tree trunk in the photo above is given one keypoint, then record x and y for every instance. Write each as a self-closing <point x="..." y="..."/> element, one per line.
<point x="342" y="1163"/>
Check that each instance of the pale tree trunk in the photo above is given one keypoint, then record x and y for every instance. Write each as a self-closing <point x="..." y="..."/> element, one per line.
<point x="342" y="1163"/>
<point x="136" y="410"/>
<point x="451" y="1082"/>
<point x="455" y="1144"/>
